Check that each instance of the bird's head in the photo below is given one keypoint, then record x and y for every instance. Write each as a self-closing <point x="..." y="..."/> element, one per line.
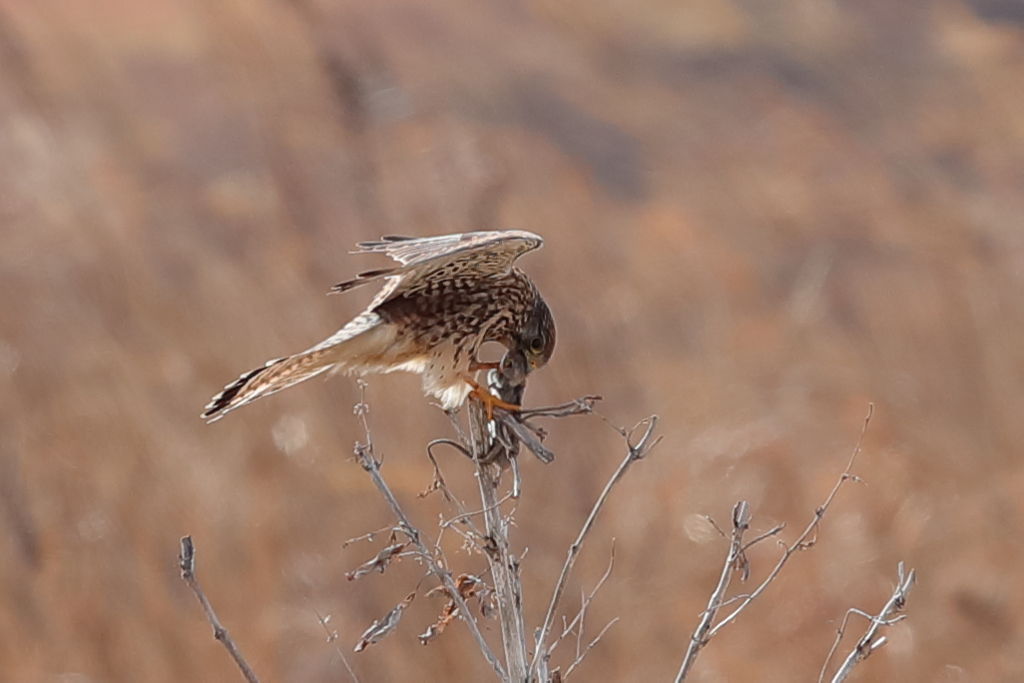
<point x="536" y="339"/>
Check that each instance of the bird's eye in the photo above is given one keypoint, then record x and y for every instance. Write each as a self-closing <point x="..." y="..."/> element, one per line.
<point x="536" y="344"/>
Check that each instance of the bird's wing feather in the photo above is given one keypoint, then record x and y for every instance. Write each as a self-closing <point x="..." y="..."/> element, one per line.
<point x="362" y="279"/>
<point x="506" y="244"/>
<point x="478" y="253"/>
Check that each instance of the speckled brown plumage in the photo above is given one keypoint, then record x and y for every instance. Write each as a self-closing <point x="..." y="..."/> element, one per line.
<point x="450" y="295"/>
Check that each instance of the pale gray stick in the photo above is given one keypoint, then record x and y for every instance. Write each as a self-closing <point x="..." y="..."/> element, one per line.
<point x="504" y="565"/>
<point x="801" y="542"/>
<point x="187" y="564"/>
<point x="740" y="524"/>
<point x="366" y="458"/>
<point x="635" y="453"/>
<point x="869" y="642"/>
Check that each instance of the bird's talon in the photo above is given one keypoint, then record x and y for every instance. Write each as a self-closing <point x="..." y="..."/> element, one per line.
<point x="489" y="400"/>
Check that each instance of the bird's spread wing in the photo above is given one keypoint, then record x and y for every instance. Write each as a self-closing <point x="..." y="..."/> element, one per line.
<point x="473" y="253"/>
<point x="505" y="246"/>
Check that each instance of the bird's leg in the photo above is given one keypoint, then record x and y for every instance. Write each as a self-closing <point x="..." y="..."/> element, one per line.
<point x="476" y="365"/>
<point x="489" y="400"/>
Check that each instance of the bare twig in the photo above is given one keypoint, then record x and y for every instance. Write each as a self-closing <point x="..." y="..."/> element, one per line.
<point x="588" y="648"/>
<point x="439" y="484"/>
<point x="465" y="517"/>
<point x="332" y="637"/>
<point x="774" y="531"/>
<point x="580" y="406"/>
<point x="635" y="452"/>
<point x="525" y="434"/>
<point x="733" y="561"/>
<point x="530" y="435"/>
<point x="368" y="536"/>
<point x="869" y="642"/>
<point x="802" y="543"/>
<point x="187" y="564"/>
<point x="584" y="603"/>
<point x="736" y="559"/>
<point x="492" y="442"/>
<point x="364" y="452"/>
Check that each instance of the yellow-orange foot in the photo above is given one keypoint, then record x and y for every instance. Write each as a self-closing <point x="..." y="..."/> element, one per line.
<point x="489" y="400"/>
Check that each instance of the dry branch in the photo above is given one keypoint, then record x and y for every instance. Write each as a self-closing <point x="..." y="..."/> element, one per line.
<point x="364" y="453"/>
<point x="492" y="443"/>
<point x="187" y="564"/>
<point x="492" y="446"/>
<point x="577" y="621"/>
<point x="706" y="629"/>
<point x="530" y="435"/>
<point x="870" y="641"/>
<point x="590" y="646"/>
<point x="735" y="560"/>
<point x="634" y="453"/>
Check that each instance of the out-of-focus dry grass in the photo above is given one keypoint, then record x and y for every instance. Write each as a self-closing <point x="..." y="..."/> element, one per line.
<point x="759" y="217"/>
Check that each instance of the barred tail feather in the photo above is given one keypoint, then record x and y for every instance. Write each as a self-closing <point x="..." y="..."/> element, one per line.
<point x="271" y="378"/>
<point x="364" y="344"/>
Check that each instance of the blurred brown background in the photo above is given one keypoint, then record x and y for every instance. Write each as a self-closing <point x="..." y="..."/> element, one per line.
<point x="759" y="217"/>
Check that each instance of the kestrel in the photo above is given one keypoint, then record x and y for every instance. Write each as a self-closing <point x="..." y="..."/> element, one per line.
<point x="449" y="296"/>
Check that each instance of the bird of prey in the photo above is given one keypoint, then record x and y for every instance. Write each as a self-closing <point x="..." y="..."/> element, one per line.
<point x="448" y="296"/>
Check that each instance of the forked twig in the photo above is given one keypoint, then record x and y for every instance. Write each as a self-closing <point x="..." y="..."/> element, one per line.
<point x="187" y="564"/>
<point x="584" y="604"/>
<point x="635" y="452"/>
<point x="733" y="561"/>
<point x="801" y="542"/>
<point x="869" y="642"/>
<point x="464" y="516"/>
<point x="580" y="406"/>
<point x="364" y="452"/>
<point x="705" y="630"/>
<point x="588" y="648"/>
<point x="491" y="449"/>
<point x="530" y="435"/>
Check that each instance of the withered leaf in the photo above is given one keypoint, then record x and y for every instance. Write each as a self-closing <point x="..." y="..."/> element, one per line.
<point x="383" y="627"/>
<point x="469" y="587"/>
<point x="380" y="562"/>
<point x="448" y="614"/>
